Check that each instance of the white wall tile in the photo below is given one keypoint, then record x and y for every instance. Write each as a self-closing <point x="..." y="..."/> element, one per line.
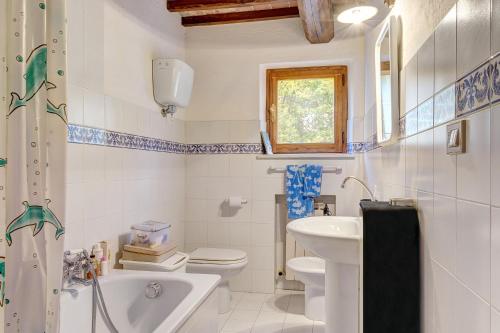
<point x="445" y="50"/>
<point x="473" y="167"/>
<point x="218" y="234"/>
<point x="445" y="306"/>
<point x="240" y="234"/>
<point x="263" y="234"/>
<point x="93" y="163"/>
<point x="495" y="257"/>
<point x="473" y="34"/>
<point x="425" y="161"/>
<point x="263" y="211"/>
<point x="75" y="42"/>
<point x="93" y="109"/>
<point x="113" y="114"/>
<point x="443" y="232"/>
<point x="94" y="44"/>
<point x="266" y="188"/>
<point x="75" y="104"/>
<point x="411" y="84"/>
<point x="241" y="165"/>
<point x="263" y="281"/>
<point x="195" y="233"/>
<point x="426" y="70"/>
<point x="245" y="131"/>
<point x="411" y="162"/>
<point x="495" y="27"/>
<point x="473" y="246"/>
<point x="495" y="320"/>
<point x="495" y="155"/>
<point x="473" y="314"/>
<point x="445" y="166"/>
<point x="218" y="165"/>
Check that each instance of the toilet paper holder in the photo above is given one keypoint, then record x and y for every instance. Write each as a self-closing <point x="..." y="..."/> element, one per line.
<point x="236" y="202"/>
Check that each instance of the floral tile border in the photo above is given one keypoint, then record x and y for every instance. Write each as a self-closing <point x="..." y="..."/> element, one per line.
<point x="495" y="78"/>
<point x="101" y="137"/>
<point x="225" y="148"/>
<point x="426" y="115"/>
<point x="97" y="136"/>
<point x="474" y="91"/>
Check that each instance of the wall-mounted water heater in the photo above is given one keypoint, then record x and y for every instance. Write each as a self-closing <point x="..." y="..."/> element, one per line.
<point x="172" y="84"/>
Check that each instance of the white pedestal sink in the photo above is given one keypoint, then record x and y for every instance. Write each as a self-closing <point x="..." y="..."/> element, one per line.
<point x="336" y="239"/>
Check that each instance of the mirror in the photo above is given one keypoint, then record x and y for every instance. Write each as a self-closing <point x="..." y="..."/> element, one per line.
<point x="387" y="82"/>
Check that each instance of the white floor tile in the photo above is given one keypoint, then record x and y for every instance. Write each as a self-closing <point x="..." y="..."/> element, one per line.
<point x="276" y="303"/>
<point x="319" y="327"/>
<point x="241" y="321"/>
<point x="269" y="322"/>
<point x="297" y="304"/>
<point x="252" y="301"/>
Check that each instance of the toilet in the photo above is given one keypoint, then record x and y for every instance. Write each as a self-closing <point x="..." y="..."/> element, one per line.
<point x="311" y="272"/>
<point x="224" y="262"/>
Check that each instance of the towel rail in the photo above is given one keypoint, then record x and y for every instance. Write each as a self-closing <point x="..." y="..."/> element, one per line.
<point x="337" y="171"/>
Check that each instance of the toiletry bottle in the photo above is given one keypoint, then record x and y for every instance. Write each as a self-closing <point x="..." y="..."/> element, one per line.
<point x="97" y="251"/>
<point x="94" y="265"/>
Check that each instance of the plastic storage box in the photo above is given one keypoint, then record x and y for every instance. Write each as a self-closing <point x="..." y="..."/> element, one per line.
<point x="149" y="234"/>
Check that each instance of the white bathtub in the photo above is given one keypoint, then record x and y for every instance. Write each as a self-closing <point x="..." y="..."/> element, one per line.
<point x="187" y="304"/>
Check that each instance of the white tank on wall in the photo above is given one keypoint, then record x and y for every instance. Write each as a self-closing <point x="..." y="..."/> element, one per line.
<point x="172" y="84"/>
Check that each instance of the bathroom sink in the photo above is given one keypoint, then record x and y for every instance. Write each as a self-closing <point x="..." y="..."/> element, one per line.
<point x="337" y="239"/>
<point x="334" y="238"/>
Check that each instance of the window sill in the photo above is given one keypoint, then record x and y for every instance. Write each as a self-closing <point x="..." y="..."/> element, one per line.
<point x="323" y="156"/>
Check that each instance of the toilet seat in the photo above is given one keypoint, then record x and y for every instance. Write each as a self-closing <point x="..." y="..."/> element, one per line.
<point x="214" y="256"/>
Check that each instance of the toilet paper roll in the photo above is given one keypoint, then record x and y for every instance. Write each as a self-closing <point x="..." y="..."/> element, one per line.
<point x="235" y="202"/>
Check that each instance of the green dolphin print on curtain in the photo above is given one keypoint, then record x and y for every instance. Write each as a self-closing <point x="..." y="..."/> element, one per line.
<point x="2" y="280"/>
<point x="3" y="162"/>
<point x="35" y="78"/>
<point x="36" y="216"/>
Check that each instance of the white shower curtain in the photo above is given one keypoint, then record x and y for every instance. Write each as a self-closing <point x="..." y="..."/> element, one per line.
<point x="32" y="162"/>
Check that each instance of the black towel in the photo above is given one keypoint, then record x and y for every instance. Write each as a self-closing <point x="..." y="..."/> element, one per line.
<point x="391" y="268"/>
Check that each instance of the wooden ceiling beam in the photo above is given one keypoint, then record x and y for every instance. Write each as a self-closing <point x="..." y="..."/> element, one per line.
<point x="239" y="17"/>
<point x="192" y="5"/>
<point x="317" y="20"/>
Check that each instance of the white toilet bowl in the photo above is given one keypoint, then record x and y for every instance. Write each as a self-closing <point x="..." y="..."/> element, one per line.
<point x="224" y="262"/>
<point x="311" y="272"/>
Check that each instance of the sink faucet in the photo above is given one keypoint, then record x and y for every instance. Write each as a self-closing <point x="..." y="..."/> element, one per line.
<point x="372" y="197"/>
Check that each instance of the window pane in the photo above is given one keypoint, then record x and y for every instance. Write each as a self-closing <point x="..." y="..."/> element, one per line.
<point x="305" y="111"/>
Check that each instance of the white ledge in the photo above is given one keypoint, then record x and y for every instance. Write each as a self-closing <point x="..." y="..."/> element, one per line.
<point x="331" y="157"/>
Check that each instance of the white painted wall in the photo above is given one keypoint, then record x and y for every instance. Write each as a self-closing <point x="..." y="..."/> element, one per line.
<point x="110" y="47"/>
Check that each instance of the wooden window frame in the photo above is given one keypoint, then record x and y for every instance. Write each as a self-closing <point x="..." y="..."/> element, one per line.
<point x="340" y="109"/>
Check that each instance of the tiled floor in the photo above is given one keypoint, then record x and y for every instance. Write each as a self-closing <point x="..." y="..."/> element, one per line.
<point x="266" y="313"/>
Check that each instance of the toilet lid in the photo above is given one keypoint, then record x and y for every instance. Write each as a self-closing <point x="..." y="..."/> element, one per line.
<point x="205" y="254"/>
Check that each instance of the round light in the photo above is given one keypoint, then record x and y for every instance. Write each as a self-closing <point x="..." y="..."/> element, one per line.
<point x="357" y="14"/>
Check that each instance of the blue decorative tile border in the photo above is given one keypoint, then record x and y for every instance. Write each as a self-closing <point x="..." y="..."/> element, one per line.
<point x="473" y="92"/>
<point x="96" y="136"/>
<point x="225" y="148"/>
<point x="101" y="137"/>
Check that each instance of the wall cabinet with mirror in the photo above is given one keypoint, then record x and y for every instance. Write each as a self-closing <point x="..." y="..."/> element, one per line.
<point x="387" y="82"/>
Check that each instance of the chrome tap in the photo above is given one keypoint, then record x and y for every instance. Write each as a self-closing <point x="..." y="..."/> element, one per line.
<point x="75" y="266"/>
<point x="372" y="197"/>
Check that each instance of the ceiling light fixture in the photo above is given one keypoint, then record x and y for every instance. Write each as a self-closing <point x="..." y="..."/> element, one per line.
<point x="357" y="14"/>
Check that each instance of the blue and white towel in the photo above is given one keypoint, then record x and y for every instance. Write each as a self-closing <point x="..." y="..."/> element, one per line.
<point x="303" y="184"/>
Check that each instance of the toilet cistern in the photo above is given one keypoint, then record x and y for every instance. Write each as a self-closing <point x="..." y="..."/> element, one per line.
<point x="372" y="197"/>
